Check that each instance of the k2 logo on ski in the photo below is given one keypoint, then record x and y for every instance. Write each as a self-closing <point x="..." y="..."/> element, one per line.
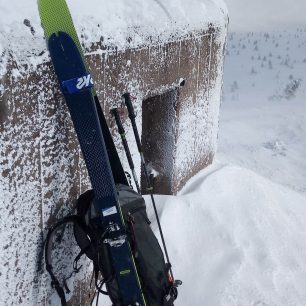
<point x="84" y="81"/>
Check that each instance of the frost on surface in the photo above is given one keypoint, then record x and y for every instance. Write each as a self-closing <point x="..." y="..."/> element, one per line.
<point x="117" y="24"/>
<point x="199" y="114"/>
<point x="38" y="182"/>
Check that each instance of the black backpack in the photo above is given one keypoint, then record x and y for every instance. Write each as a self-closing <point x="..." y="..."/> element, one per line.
<point x="158" y="287"/>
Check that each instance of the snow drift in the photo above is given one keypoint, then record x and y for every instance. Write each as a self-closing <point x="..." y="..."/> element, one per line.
<point x="235" y="238"/>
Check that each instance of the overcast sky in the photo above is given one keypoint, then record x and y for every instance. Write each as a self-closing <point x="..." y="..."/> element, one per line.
<point x="249" y="15"/>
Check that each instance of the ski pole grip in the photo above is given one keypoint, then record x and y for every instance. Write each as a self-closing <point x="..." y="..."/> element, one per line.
<point x="115" y="113"/>
<point x="129" y="105"/>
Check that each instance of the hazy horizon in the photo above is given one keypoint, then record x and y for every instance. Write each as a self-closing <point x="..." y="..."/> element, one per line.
<point x="261" y="15"/>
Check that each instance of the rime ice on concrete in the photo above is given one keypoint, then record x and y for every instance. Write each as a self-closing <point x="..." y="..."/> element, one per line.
<point x="144" y="47"/>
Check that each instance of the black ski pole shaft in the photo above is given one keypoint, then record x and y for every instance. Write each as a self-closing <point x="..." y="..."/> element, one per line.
<point x="132" y="116"/>
<point x="121" y="131"/>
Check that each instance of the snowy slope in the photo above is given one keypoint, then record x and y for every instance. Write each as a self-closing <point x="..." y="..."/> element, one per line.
<point x="263" y="116"/>
<point x="235" y="238"/>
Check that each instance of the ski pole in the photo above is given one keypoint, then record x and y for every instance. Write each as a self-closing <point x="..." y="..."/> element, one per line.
<point x="132" y="116"/>
<point x="121" y="131"/>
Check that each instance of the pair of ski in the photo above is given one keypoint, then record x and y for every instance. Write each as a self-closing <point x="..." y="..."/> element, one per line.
<point x="99" y="152"/>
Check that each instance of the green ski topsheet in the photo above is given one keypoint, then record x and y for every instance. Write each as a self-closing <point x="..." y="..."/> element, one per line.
<point x="55" y="17"/>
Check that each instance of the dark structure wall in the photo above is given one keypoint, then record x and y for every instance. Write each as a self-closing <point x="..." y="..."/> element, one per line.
<point x="158" y="139"/>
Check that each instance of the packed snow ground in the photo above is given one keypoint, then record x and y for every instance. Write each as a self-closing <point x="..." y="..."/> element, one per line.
<point x="237" y="231"/>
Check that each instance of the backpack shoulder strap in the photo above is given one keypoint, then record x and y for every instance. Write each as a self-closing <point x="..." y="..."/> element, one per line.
<point x="54" y="281"/>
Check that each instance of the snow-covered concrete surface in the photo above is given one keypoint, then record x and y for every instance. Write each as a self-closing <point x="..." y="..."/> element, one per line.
<point x="115" y="23"/>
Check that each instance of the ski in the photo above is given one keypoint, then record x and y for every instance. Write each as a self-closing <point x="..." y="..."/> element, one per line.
<point x="78" y="89"/>
<point x="55" y="17"/>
